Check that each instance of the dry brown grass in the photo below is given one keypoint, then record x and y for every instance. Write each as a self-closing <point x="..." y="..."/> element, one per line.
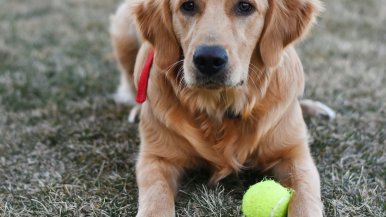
<point x="67" y="150"/>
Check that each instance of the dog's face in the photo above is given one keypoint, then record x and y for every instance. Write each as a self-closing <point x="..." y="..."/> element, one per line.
<point x="217" y="38"/>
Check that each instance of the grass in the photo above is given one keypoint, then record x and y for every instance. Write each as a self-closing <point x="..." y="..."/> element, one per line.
<point x="66" y="148"/>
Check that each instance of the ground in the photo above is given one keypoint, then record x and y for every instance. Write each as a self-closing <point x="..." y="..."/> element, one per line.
<point x="66" y="148"/>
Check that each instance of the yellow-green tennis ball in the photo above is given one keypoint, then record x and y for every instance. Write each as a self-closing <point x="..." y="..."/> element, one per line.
<point x="266" y="199"/>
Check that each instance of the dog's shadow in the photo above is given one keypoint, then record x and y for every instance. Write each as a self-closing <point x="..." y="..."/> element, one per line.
<point x="196" y="195"/>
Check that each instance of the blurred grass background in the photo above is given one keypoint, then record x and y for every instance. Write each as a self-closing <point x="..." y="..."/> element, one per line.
<point x="66" y="148"/>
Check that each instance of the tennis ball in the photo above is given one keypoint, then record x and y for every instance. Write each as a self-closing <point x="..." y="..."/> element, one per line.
<point x="266" y="199"/>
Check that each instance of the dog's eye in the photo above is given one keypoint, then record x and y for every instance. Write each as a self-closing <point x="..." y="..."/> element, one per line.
<point x="189" y="7"/>
<point x="244" y="8"/>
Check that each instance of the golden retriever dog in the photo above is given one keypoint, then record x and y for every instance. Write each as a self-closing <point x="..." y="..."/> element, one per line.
<point x="223" y="94"/>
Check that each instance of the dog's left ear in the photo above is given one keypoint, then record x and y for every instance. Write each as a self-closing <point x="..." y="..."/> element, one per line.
<point x="286" y="21"/>
<point x="154" y="21"/>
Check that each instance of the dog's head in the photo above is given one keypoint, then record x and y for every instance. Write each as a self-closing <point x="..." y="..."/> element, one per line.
<point x="218" y="38"/>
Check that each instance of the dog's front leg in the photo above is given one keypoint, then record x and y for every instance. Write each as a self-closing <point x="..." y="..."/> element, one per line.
<point x="157" y="184"/>
<point x="299" y="172"/>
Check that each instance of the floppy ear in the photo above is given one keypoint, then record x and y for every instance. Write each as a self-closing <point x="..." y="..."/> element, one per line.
<point x="286" y="21"/>
<point x="154" y="21"/>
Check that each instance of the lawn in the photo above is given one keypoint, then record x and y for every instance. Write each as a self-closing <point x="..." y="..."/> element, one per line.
<point x="66" y="149"/>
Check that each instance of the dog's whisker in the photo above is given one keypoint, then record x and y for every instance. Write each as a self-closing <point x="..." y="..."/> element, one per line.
<point x="261" y="75"/>
<point x="253" y="80"/>
<point x="172" y="65"/>
<point x="179" y="72"/>
<point x="255" y="67"/>
<point x="180" y="81"/>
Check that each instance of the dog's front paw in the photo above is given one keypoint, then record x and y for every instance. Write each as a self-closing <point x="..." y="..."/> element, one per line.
<point x="304" y="205"/>
<point x="155" y="213"/>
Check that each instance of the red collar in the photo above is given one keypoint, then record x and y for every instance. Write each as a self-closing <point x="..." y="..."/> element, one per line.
<point x="144" y="79"/>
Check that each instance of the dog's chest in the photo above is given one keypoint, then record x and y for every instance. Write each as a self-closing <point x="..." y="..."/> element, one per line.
<point x="232" y="139"/>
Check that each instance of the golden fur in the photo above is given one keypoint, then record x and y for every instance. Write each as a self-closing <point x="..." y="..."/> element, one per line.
<point x="183" y="125"/>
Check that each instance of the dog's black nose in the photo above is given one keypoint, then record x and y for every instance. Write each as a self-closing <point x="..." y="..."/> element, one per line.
<point x="210" y="60"/>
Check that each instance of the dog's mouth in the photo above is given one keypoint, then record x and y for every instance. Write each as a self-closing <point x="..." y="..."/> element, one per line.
<point x="215" y="85"/>
<point x="211" y="85"/>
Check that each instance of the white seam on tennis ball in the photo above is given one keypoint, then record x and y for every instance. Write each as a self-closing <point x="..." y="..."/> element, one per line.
<point x="272" y="213"/>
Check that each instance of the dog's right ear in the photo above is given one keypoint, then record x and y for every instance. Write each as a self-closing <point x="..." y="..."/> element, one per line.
<point x="154" y="21"/>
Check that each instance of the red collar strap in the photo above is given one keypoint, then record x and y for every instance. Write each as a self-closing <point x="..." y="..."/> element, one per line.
<point x="144" y="79"/>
